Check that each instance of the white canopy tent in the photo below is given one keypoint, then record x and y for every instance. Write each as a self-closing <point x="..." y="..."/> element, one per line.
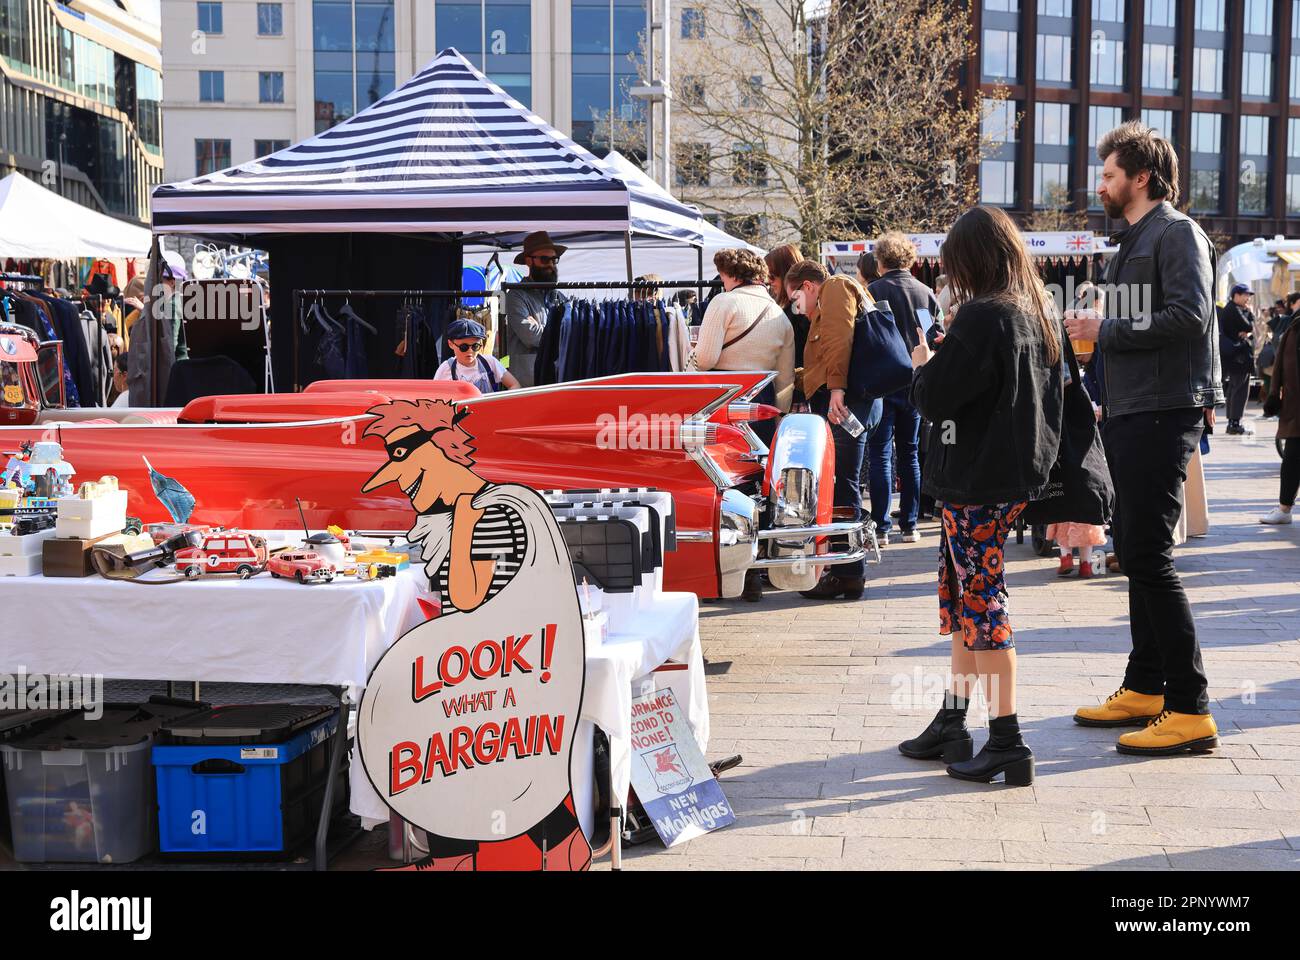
<point x="587" y="261"/>
<point x="38" y="224"/>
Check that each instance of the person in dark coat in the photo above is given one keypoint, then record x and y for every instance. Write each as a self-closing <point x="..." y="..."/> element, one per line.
<point x="1284" y="402"/>
<point x="1236" y="353"/>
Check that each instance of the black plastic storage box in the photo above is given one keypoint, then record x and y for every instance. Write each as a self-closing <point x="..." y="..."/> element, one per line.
<point x="80" y="790"/>
<point x="245" y="782"/>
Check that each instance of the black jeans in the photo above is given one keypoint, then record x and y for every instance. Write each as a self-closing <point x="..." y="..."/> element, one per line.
<point x="1148" y="454"/>
<point x="1290" y="472"/>
<point x="1236" y="384"/>
<point x="849" y="451"/>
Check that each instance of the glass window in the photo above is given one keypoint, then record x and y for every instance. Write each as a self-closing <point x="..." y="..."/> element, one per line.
<point x="1158" y="66"/>
<point x="1052" y="124"/>
<point x="340" y="88"/>
<point x="1256" y="74"/>
<point x="1005" y="6"/>
<point x="1254" y="136"/>
<point x="750" y="20"/>
<point x="270" y="87"/>
<point x="1000" y="51"/>
<point x="1252" y="194"/>
<point x="210" y="17"/>
<point x="998" y="182"/>
<point x="1107" y="65"/>
<point x="692" y="91"/>
<point x="1293" y="138"/>
<point x="747" y="169"/>
<point x="459" y="25"/>
<point x="1102" y="120"/>
<point x="1051" y="184"/>
<point x="210" y="155"/>
<point x="1207" y="70"/>
<point x="148" y="107"/>
<point x="1094" y="178"/>
<point x="751" y="94"/>
<point x="1205" y="191"/>
<point x="998" y="124"/>
<point x="1161" y="13"/>
<point x="1054" y="58"/>
<point x="691" y="164"/>
<point x="212" y="86"/>
<point x="605" y="114"/>
<point x="1257" y="18"/>
<point x="1295" y="19"/>
<point x="1161" y="121"/>
<point x="1295" y="76"/>
<point x="1207" y="133"/>
<point x="1110" y="11"/>
<point x="692" y="23"/>
<point x="262" y="148"/>
<point x="1209" y="15"/>
<point x="1056" y="8"/>
<point x="270" y="19"/>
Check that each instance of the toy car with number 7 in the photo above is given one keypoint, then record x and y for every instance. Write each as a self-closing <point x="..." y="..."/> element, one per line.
<point x="224" y="551"/>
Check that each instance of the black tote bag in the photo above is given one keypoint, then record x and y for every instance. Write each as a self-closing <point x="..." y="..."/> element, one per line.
<point x="1079" y="488"/>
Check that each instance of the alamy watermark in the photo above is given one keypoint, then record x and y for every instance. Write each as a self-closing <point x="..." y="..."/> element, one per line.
<point x="53" y="691"/>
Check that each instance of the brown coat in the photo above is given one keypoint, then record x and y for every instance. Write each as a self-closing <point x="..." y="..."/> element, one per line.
<point x="1286" y="381"/>
<point x="830" y="335"/>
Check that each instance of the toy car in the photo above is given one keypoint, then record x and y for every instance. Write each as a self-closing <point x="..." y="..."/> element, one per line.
<point x="737" y="505"/>
<point x="224" y="551"/>
<point x="302" y="565"/>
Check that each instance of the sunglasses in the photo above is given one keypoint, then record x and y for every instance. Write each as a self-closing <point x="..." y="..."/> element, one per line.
<point x="467" y="347"/>
<point x="401" y="449"/>
<point x="544" y="259"/>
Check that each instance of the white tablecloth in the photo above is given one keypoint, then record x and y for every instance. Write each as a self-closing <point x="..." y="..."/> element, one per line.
<point x="274" y="631"/>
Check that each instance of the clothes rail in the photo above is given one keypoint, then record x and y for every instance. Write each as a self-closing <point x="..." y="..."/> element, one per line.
<point x="21" y="278"/>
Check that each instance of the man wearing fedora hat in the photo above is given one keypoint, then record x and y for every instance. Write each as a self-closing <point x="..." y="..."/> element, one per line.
<point x="526" y="310"/>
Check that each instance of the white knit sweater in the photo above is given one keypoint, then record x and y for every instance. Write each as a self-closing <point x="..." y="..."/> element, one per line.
<point x="769" y="346"/>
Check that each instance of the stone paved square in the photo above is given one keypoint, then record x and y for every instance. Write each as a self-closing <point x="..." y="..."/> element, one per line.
<point x="809" y="694"/>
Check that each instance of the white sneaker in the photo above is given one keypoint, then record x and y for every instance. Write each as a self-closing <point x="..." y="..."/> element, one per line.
<point x="912" y="536"/>
<point x="1277" y="516"/>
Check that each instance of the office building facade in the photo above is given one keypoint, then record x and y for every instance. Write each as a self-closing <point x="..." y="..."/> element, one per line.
<point x="1220" y="78"/>
<point x="81" y="101"/>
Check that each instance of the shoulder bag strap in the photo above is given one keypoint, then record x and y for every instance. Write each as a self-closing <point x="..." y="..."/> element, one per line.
<point x="749" y="329"/>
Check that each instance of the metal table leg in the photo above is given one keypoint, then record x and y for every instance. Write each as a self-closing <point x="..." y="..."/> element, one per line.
<point x="339" y="743"/>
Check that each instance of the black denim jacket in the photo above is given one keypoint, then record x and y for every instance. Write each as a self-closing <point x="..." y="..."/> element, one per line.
<point x="994" y="404"/>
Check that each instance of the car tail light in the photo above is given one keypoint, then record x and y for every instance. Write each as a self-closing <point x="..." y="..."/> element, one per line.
<point x="750" y="412"/>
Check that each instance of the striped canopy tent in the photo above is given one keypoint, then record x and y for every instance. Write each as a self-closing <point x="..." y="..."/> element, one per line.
<point x="448" y="152"/>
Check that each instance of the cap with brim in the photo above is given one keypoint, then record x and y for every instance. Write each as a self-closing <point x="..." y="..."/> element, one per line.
<point x="1241" y="288"/>
<point x="465" y="329"/>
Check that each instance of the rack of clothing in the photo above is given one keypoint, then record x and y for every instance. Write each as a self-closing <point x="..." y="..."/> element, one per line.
<point x="24" y="301"/>
<point x="632" y="334"/>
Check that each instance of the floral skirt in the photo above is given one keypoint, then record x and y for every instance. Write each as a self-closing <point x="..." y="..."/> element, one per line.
<point x="972" y="591"/>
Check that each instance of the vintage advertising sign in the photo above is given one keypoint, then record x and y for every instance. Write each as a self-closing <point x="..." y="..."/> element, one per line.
<point x="467" y="722"/>
<point x="678" y="790"/>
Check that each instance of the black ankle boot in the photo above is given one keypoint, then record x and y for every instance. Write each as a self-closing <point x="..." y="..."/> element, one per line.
<point x="1006" y="752"/>
<point x="946" y="737"/>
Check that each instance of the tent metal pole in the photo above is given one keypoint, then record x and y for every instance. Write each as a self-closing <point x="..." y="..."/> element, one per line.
<point x="627" y="247"/>
<point x="152" y="321"/>
<point x="699" y="272"/>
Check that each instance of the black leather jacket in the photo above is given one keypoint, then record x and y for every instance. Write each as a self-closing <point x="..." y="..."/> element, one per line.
<point x="1160" y="338"/>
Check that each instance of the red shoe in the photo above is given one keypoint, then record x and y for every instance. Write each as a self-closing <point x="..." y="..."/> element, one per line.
<point x="461" y="862"/>
<point x="1085" y="569"/>
<point x="1067" y="565"/>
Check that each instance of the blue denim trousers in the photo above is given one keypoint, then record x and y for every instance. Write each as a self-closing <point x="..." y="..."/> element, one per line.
<point x="900" y="427"/>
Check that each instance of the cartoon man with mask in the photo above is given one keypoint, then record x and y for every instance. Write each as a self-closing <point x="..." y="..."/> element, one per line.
<point x="495" y="556"/>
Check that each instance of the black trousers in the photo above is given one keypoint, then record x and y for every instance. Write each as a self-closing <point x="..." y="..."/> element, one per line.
<point x="1236" y="385"/>
<point x="1290" y="472"/>
<point x="1148" y="454"/>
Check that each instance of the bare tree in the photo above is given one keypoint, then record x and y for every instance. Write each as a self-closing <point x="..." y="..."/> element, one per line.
<point x="1056" y="212"/>
<point x="831" y="119"/>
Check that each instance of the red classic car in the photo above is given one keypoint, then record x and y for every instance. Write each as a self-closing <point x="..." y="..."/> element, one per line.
<point x="246" y="458"/>
<point x="223" y="551"/>
<point x="301" y="565"/>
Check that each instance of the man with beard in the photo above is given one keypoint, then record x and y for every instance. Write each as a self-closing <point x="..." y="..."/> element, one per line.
<point x="1160" y="347"/>
<point x="526" y="310"/>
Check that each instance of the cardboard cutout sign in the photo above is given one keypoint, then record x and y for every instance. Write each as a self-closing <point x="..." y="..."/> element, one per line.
<point x="467" y="723"/>
<point x="678" y="790"/>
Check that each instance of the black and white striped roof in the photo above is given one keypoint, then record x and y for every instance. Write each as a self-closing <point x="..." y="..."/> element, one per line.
<point x="448" y="151"/>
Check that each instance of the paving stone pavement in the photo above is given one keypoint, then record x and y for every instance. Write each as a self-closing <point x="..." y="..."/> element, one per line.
<point x="817" y="696"/>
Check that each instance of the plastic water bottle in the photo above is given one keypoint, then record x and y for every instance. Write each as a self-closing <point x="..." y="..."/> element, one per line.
<point x="852" y="424"/>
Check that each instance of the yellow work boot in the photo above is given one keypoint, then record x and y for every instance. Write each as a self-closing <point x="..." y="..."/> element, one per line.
<point x="1123" y="708"/>
<point x="1172" y="733"/>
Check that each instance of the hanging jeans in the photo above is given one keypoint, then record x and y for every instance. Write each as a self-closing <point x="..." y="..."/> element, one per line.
<point x="900" y="427"/>
<point x="849" y="451"/>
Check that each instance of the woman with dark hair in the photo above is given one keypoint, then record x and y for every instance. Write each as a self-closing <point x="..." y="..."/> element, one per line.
<point x="779" y="261"/>
<point x="993" y="394"/>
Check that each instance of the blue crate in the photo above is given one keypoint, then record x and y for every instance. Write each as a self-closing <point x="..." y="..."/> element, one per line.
<point x="257" y="798"/>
